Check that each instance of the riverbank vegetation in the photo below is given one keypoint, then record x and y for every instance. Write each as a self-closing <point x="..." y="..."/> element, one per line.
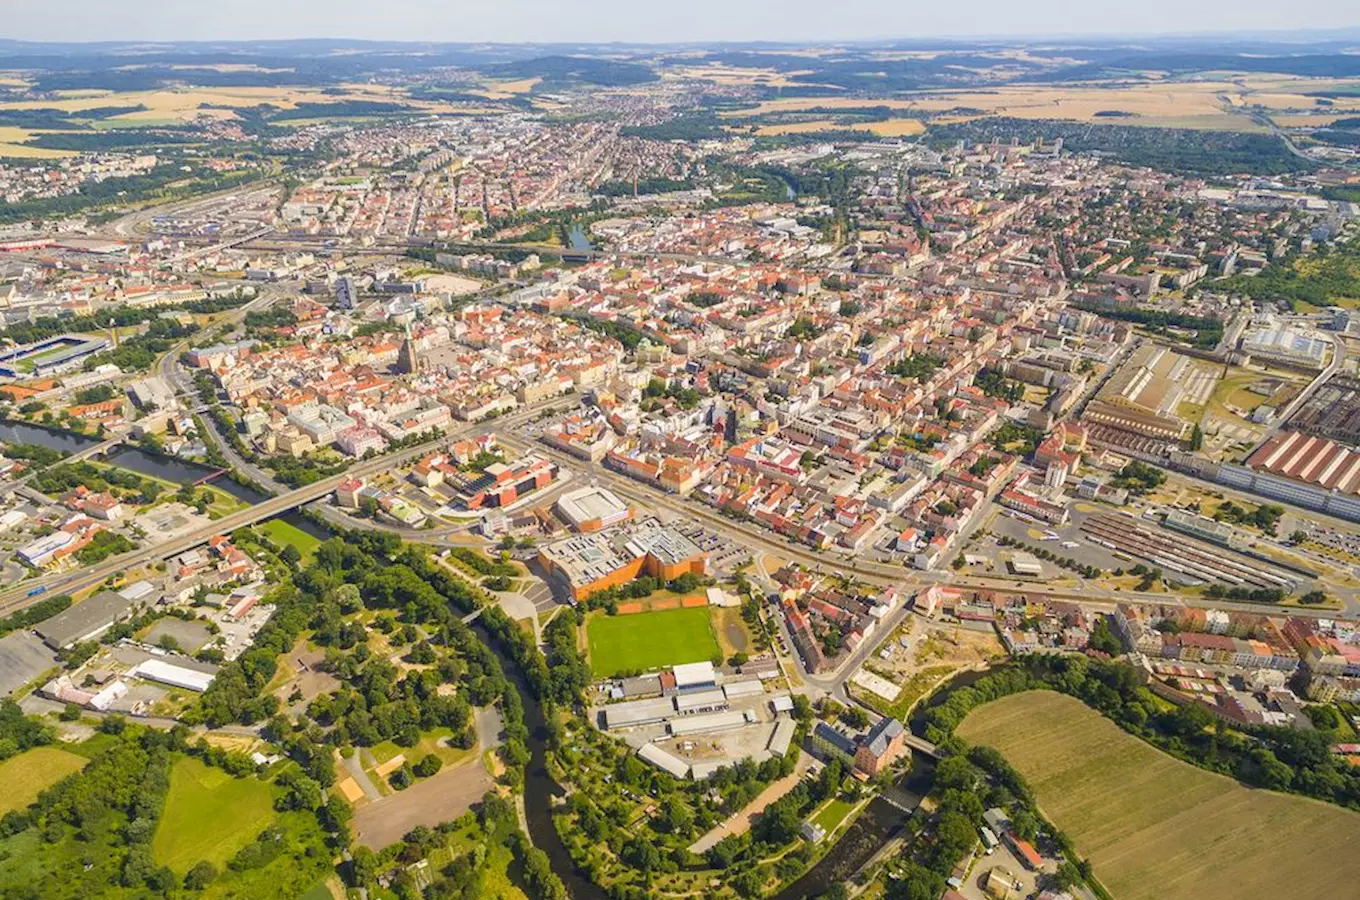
<point x="630" y="826"/>
<point x="402" y="666"/>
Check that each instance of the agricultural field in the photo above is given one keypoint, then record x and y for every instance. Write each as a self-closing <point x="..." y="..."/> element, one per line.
<point x="1156" y="828"/>
<point x="286" y="534"/>
<point x="650" y="640"/>
<point x="505" y="90"/>
<point x="1172" y="104"/>
<point x="162" y="107"/>
<point x="12" y="144"/>
<point x="24" y="776"/>
<point x="209" y="815"/>
<point x="742" y="75"/>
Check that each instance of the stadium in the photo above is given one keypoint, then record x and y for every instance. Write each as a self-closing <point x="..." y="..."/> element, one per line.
<point x="55" y="354"/>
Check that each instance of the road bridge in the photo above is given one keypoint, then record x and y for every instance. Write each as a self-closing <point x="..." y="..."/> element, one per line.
<point x="16" y="597"/>
<point x="921" y="745"/>
<point x="88" y="453"/>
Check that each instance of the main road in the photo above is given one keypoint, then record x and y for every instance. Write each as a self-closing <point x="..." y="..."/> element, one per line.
<point x="17" y="596"/>
<point x="878" y="574"/>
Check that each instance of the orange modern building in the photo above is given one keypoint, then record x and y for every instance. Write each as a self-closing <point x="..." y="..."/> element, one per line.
<point x="588" y="563"/>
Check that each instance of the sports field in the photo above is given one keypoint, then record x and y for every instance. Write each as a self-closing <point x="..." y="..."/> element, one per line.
<point x="650" y="640"/>
<point x="209" y="815"/>
<point x="24" y="776"/>
<point x="1156" y="828"/>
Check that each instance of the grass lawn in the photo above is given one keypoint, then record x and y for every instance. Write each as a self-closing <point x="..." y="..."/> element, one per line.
<point x="650" y="640"/>
<point x="430" y="742"/>
<point x="1156" y="828"/>
<point x="28" y="774"/>
<point x="833" y="813"/>
<point x="209" y="815"/>
<point x="285" y="534"/>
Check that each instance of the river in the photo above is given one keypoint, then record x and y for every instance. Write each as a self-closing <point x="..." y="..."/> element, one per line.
<point x="155" y="465"/>
<point x="578" y="239"/>
<point x="880" y="822"/>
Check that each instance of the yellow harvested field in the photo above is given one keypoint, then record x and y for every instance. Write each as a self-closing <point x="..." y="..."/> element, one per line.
<point x="896" y="127"/>
<point x="1311" y="120"/>
<point x="1156" y="828"/>
<point x="12" y="145"/>
<point x="523" y="86"/>
<point x="184" y="105"/>
<point x="1207" y="104"/>
<point x="796" y="128"/>
<point x="228" y="67"/>
<point x="738" y="75"/>
<point x="799" y="104"/>
<point x="1189" y="105"/>
<point x="24" y="776"/>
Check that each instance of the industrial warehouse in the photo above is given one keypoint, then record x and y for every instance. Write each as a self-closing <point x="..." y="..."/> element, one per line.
<point x="697" y="725"/>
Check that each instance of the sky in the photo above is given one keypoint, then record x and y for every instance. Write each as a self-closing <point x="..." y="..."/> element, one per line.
<point x="514" y="21"/>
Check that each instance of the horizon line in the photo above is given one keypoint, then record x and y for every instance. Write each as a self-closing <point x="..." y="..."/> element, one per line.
<point x="1317" y="33"/>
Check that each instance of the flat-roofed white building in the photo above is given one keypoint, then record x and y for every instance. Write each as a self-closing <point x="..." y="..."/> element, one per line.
<point x="592" y="508"/>
<point x="1287" y="345"/>
<point x="166" y="672"/>
<point x="691" y="675"/>
<point x="638" y="712"/>
<point x="701" y="701"/>
<point x="664" y="760"/>
<point x="784" y="727"/>
<point x="738" y="689"/>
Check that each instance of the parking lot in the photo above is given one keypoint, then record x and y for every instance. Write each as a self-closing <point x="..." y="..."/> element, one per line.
<point x="187" y="636"/>
<point x="724" y="554"/>
<point x="23" y="657"/>
<point x="1085" y="552"/>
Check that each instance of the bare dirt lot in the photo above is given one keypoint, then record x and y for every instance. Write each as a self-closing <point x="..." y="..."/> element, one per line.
<point x="442" y="798"/>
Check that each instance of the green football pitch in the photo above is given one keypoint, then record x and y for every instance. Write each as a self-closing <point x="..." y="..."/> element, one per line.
<point x="650" y="640"/>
